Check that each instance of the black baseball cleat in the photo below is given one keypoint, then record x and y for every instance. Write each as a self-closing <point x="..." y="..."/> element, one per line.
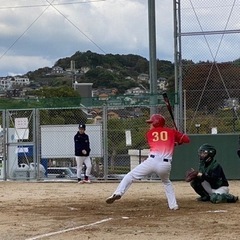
<point x="112" y="198"/>
<point x="236" y="199"/>
<point x="232" y="198"/>
<point x="203" y="199"/>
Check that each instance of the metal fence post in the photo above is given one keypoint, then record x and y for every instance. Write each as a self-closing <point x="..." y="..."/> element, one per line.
<point x="4" y="144"/>
<point x="105" y="143"/>
<point x="36" y="129"/>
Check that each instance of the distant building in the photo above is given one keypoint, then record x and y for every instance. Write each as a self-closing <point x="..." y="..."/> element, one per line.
<point x="162" y="84"/>
<point x="231" y="103"/>
<point x="8" y="82"/>
<point x="104" y="92"/>
<point x="129" y="78"/>
<point x="20" y="81"/>
<point x="57" y="70"/>
<point x="135" y="91"/>
<point x="143" y="77"/>
<point x="5" y="83"/>
<point x="85" y="91"/>
<point x="103" y="96"/>
<point x="84" y="69"/>
<point x="15" y="93"/>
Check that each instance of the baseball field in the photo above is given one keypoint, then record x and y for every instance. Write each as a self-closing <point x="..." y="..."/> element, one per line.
<point x="67" y="210"/>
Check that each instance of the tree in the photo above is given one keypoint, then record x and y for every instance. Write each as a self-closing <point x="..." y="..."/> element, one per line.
<point x="58" y="92"/>
<point x="208" y="82"/>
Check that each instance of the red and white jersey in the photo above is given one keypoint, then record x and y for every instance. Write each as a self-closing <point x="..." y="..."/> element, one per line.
<point x="162" y="140"/>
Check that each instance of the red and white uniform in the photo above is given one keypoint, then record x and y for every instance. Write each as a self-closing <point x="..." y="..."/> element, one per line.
<point x="161" y="141"/>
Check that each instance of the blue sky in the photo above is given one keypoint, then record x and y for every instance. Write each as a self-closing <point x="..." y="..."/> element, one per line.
<point x="36" y="33"/>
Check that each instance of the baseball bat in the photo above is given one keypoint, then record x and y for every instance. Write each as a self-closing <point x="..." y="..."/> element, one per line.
<point x="169" y="107"/>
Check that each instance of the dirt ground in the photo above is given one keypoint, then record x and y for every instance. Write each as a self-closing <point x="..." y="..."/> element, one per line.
<point x="67" y="210"/>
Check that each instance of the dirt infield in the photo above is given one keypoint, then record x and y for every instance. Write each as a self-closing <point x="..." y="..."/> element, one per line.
<point x="57" y="211"/>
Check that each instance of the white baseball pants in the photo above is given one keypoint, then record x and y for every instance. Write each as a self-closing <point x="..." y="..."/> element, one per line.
<point x="208" y="188"/>
<point x="150" y="165"/>
<point x="80" y="160"/>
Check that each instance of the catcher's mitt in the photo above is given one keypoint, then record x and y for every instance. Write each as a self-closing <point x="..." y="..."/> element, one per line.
<point x="190" y="175"/>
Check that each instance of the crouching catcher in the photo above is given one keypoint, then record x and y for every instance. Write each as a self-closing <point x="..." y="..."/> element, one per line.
<point x="210" y="181"/>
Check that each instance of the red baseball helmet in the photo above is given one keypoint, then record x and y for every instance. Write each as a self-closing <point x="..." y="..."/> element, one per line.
<point x="157" y="120"/>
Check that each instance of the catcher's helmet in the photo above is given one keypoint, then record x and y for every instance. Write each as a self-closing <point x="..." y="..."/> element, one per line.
<point x="157" y="120"/>
<point x="209" y="149"/>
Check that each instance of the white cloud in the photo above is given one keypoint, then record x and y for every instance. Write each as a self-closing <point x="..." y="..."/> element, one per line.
<point x="33" y="37"/>
<point x="23" y="64"/>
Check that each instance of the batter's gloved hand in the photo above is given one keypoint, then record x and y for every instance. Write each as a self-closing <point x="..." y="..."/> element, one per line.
<point x="191" y="175"/>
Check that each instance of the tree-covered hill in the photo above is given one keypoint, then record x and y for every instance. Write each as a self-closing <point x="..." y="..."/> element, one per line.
<point x="109" y="71"/>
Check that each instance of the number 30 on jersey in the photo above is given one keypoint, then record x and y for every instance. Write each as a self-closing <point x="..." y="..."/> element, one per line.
<point x="160" y="136"/>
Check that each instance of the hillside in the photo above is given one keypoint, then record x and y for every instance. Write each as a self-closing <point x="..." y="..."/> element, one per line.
<point x="109" y="71"/>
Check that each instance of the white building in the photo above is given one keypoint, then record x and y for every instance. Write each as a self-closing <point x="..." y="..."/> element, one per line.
<point x="5" y="83"/>
<point x="57" y="70"/>
<point x="135" y="91"/>
<point x="21" y="81"/>
<point x="8" y="82"/>
<point x="162" y="84"/>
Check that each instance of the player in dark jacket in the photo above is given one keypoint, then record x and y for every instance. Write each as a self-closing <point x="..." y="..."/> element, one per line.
<point x="211" y="183"/>
<point x="82" y="151"/>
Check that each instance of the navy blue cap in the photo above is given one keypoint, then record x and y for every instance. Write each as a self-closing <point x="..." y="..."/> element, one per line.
<point x="82" y="126"/>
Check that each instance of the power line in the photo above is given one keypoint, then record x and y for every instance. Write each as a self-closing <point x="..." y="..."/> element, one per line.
<point x="25" y="31"/>
<point x="44" y="5"/>
<point x="47" y="6"/>
<point x="77" y="28"/>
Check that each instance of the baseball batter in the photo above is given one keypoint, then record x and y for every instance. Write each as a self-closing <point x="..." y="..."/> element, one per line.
<point x="161" y="141"/>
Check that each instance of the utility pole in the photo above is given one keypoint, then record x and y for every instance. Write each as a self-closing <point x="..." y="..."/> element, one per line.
<point x="152" y="57"/>
<point x="73" y="71"/>
<point x="178" y="107"/>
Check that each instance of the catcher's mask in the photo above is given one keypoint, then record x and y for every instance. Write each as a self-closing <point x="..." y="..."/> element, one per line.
<point x="157" y="120"/>
<point x="206" y="153"/>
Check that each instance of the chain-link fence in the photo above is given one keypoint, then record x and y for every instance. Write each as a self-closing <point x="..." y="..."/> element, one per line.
<point x="43" y="138"/>
<point x="39" y="143"/>
<point x="18" y="140"/>
<point x="210" y="37"/>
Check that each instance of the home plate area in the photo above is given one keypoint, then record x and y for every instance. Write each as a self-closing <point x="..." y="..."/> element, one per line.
<point x="60" y="210"/>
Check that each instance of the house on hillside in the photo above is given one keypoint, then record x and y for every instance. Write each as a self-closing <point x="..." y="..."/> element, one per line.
<point x="84" y="69"/>
<point x="103" y="96"/>
<point x="57" y="70"/>
<point x="129" y="78"/>
<point x="143" y="77"/>
<point x="15" y="93"/>
<point x="104" y="93"/>
<point x="117" y="114"/>
<point x="23" y="81"/>
<point x="134" y="91"/>
<point x="5" y="83"/>
<point x="9" y="82"/>
<point x="162" y="84"/>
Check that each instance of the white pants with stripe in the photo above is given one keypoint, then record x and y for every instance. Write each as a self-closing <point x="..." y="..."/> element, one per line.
<point x="150" y="165"/>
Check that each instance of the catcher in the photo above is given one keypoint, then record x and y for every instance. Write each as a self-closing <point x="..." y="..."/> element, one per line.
<point x="210" y="181"/>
